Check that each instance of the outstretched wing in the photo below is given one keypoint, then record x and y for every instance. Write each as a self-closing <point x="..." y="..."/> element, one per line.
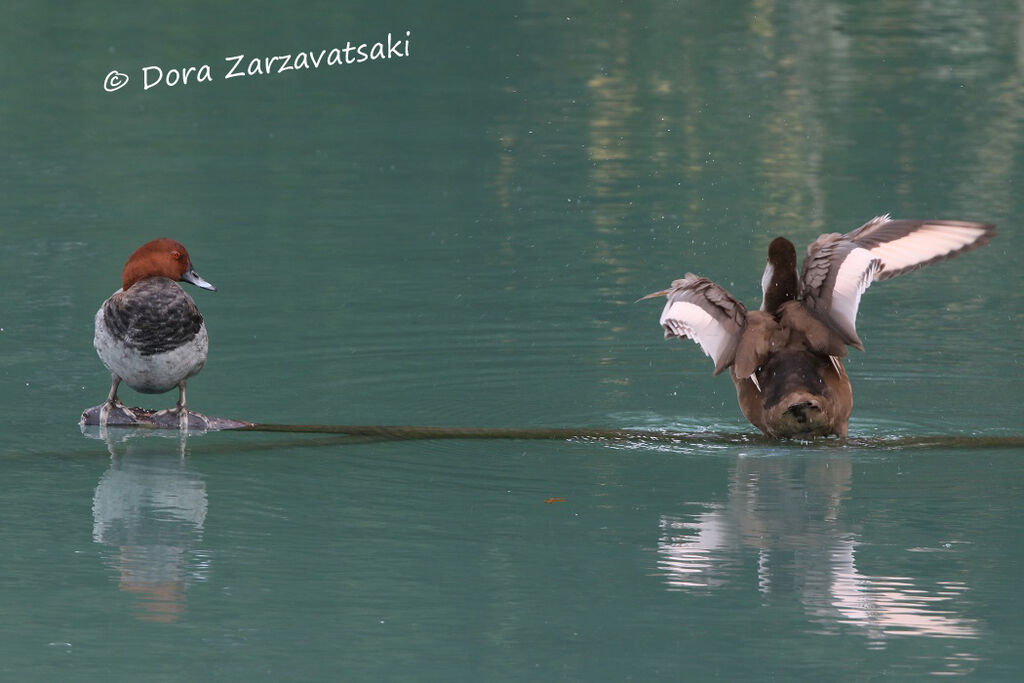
<point x="838" y="268"/>
<point x="700" y="310"/>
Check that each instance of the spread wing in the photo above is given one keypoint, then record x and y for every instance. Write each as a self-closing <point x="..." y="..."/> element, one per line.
<point x="700" y="310"/>
<point x="838" y="268"/>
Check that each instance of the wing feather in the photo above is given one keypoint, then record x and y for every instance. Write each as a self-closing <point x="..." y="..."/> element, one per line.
<point x="700" y="310"/>
<point x="839" y="268"/>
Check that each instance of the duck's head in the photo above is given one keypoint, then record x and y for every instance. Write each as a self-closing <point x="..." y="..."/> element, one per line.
<point x="161" y="257"/>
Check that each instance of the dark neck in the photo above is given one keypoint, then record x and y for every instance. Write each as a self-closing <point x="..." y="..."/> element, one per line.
<point x="779" y="282"/>
<point x="783" y="288"/>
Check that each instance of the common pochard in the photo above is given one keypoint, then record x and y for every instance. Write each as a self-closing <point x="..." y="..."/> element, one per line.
<point x="149" y="333"/>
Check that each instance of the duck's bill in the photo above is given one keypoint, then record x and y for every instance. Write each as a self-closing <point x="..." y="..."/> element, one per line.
<point x="654" y="295"/>
<point x="193" y="277"/>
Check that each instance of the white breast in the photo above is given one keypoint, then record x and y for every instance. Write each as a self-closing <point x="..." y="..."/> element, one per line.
<point x="153" y="374"/>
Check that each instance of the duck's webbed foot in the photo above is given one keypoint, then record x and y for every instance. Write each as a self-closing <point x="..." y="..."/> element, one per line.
<point x="179" y="408"/>
<point x="116" y="413"/>
<point x="112" y="411"/>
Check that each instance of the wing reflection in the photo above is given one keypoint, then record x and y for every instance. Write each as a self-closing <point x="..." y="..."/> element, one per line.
<point x="787" y="513"/>
<point x="149" y="508"/>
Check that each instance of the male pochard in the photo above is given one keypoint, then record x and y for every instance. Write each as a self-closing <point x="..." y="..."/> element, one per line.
<point x="786" y="358"/>
<point x="149" y="333"/>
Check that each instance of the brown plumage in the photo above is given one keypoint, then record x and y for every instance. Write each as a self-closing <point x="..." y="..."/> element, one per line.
<point x="786" y="359"/>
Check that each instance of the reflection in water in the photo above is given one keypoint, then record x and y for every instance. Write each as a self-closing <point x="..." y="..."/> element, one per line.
<point x="149" y="507"/>
<point x="788" y="511"/>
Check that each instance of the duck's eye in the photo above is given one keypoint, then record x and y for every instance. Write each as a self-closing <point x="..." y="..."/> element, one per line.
<point x="176" y="255"/>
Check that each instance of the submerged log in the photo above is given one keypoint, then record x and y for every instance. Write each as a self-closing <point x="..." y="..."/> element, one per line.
<point x="107" y="415"/>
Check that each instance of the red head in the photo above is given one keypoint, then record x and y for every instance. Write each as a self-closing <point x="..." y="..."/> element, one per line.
<point x="162" y="257"/>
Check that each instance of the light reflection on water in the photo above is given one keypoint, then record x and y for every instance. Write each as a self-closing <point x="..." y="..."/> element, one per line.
<point x="771" y="528"/>
<point x="148" y="509"/>
<point x="785" y="516"/>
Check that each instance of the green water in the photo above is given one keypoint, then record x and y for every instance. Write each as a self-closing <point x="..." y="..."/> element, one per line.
<point x="457" y="237"/>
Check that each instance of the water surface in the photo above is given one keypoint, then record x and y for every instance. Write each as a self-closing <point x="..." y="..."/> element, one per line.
<point x="457" y="238"/>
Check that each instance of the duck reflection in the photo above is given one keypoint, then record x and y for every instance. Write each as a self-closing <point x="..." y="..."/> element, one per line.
<point x="149" y="508"/>
<point x="788" y="512"/>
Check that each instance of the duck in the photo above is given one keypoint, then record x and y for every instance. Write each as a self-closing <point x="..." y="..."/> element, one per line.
<point x="786" y="358"/>
<point x="150" y="334"/>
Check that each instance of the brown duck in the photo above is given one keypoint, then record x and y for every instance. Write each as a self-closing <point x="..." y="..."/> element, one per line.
<point x="786" y="358"/>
